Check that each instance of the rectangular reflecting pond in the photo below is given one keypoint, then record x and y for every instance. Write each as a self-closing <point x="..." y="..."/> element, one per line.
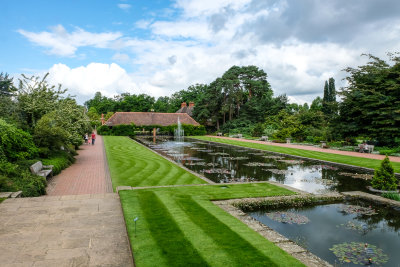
<point x="347" y="234"/>
<point x="229" y="164"/>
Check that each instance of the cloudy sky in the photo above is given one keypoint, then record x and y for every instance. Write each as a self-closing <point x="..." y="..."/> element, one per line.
<point x="160" y="47"/>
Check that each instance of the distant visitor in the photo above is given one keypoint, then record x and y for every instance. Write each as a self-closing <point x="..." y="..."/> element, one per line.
<point x="93" y="138"/>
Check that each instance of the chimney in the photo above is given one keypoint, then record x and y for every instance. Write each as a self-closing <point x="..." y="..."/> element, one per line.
<point x="191" y="104"/>
<point x="183" y="105"/>
<point x="102" y="119"/>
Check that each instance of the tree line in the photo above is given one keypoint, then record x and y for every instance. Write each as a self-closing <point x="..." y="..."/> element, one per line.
<point x="242" y="101"/>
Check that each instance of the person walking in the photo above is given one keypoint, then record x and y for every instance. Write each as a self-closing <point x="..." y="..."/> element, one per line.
<point x="86" y="138"/>
<point x="93" y="138"/>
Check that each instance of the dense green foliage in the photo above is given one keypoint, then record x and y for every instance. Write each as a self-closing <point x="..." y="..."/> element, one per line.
<point x="356" y="161"/>
<point x="36" y="123"/>
<point x="371" y="102"/>
<point x="384" y="178"/>
<point x="117" y="130"/>
<point x="133" y="164"/>
<point x="15" y="144"/>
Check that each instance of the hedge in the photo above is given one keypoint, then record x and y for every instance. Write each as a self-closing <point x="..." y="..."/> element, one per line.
<point x="129" y="130"/>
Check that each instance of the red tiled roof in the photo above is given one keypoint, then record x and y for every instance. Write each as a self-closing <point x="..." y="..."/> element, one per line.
<point x="150" y="118"/>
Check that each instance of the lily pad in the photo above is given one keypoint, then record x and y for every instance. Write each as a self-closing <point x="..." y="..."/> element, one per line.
<point x="359" y="253"/>
<point x="258" y="164"/>
<point x="273" y="157"/>
<point x="358" y="175"/>
<point x="236" y="158"/>
<point x="217" y="170"/>
<point x="291" y="161"/>
<point x="356" y="226"/>
<point x="323" y="167"/>
<point x="355" y="209"/>
<point x="276" y="171"/>
<point x="218" y="154"/>
<point x="288" y="217"/>
<point x="256" y="153"/>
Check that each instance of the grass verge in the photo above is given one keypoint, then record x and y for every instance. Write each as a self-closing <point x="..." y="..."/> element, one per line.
<point x="179" y="226"/>
<point x="132" y="164"/>
<point x="393" y="196"/>
<point x="356" y="161"/>
<point x="2" y="199"/>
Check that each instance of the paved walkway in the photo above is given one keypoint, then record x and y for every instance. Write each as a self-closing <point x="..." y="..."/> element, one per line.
<point x="79" y="223"/>
<point x="79" y="230"/>
<point x="313" y="148"/>
<point x="88" y="175"/>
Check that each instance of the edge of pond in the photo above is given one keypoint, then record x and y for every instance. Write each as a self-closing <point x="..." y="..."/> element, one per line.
<point x="176" y="163"/>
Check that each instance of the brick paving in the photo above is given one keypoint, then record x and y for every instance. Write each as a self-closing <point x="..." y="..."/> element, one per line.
<point x="318" y="149"/>
<point x="88" y="175"/>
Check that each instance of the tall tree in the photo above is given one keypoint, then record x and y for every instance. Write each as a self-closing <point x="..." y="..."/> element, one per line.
<point x="371" y="102"/>
<point x="36" y="98"/>
<point x="7" y="92"/>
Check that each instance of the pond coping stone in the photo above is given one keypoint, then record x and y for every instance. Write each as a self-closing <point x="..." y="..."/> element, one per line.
<point x="176" y="163"/>
<point x="373" y="198"/>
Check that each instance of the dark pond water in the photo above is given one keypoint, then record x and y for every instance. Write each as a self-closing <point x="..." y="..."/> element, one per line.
<point x="228" y="164"/>
<point x="335" y="224"/>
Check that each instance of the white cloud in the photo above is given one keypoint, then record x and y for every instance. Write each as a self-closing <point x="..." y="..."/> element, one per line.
<point x="143" y="24"/>
<point x="124" y="7"/>
<point x="60" y="42"/>
<point x="84" y="81"/>
<point x="120" y="57"/>
<point x="109" y="79"/>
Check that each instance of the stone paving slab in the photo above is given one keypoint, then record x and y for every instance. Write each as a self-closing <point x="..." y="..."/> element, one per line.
<point x="81" y="230"/>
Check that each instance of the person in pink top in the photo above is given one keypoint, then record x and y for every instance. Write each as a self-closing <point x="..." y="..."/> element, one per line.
<point x="93" y="138"/>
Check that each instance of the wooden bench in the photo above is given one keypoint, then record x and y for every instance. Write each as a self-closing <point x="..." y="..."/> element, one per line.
<point x="219" y="134"/>
<point x="42" y="170"/>
<point x="370" y="149"/>
<point x="264" y="138"/>
<point x="239" y="136"/>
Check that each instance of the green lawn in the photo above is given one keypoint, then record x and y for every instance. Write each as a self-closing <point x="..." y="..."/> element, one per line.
<point x="356" y="161"/>
<point x="180" y="226"/>
<point x="132" y="164"/>
<point x="2" y="199"/>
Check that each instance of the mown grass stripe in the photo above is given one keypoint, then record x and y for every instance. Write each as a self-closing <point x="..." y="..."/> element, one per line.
<point x="243" y="252"/>
<point x="344" y="159"/>
<point x="132" y="164"/>
<point x="180" y="252"/>
<point x="205" y="245"/>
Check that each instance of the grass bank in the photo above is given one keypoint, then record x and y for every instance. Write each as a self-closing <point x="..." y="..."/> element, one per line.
<point x="132" y="164"/>
<point x="180" y="226"/>
<point x="2" y="199"/>
<point x="356" y="161"/>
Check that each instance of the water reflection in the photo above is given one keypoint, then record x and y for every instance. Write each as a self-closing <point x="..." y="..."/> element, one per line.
<point x="228" y="164"/>
<point x="329" y="225"/>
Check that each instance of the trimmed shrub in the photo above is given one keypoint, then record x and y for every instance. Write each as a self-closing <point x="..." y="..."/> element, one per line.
<point x="103" y="130"/>
<point x="384" y="178"/>
<point x="118" y="130"/>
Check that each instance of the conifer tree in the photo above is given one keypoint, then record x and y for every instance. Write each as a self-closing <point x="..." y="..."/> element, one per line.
<point x="384" y="178"/>
<point x="331" y="90"/>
